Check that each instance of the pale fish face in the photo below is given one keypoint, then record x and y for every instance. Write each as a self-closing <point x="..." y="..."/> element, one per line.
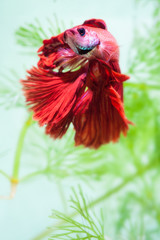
<point x="81" y="39"/>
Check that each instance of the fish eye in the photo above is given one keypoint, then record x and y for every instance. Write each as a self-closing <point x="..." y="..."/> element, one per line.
<point x="81" y="31"/>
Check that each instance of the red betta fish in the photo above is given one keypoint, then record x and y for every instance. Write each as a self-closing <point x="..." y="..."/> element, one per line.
<point x="78" y="80"/>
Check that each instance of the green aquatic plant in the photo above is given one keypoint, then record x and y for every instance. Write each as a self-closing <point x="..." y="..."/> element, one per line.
<point x="32" y="34"/>
<point x="87" y="226"/>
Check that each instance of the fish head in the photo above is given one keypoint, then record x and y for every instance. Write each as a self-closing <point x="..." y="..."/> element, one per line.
<point x="81" y="39"/>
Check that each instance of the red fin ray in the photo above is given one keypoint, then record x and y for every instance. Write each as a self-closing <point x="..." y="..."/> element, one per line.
<point x="83" y="102"/>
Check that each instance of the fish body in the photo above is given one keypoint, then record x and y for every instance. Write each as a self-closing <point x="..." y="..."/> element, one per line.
<point x="78" y="80"/>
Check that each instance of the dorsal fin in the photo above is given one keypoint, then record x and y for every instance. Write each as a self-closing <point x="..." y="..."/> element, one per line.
<point x="98" y="23"/>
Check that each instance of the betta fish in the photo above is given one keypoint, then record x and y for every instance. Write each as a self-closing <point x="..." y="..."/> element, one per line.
<point x="78" y="80"/>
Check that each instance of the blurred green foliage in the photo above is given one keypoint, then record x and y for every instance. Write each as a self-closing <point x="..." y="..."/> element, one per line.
<point x="32" y="35"/>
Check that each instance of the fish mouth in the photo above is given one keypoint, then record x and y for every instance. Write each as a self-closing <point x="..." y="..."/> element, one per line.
<point x="84" y="50"/>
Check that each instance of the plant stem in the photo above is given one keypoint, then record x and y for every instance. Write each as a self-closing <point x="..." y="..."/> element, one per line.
<point x="128" y="180"/>
<point x="33" y="174"/>
<point x="15" y="174"/>
<point x="18" y="153"/>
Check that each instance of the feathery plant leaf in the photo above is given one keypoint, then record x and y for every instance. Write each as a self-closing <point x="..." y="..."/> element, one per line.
<point x="10" y="91"/>
<point x="88" y="226"/>
<point x="62" y="158"/>
<point x="32" y="34"/>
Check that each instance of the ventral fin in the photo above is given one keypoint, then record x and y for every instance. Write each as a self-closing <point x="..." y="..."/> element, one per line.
<point x="97" y="23"/>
